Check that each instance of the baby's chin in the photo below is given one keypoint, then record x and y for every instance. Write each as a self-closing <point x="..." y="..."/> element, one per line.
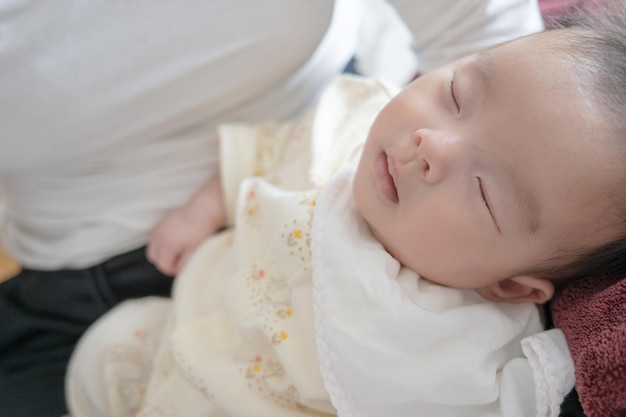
<point x="383" y="241"/>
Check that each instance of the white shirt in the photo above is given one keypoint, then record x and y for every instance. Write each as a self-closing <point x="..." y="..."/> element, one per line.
<point x="108" y="108"/>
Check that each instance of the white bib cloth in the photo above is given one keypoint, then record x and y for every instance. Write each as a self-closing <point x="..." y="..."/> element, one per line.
<point x="393" y="344"/>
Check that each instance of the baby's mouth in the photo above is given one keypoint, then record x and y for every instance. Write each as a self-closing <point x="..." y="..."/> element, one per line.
<point x="386" y="181"/>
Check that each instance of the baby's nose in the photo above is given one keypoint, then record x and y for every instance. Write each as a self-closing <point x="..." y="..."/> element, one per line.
<point x="438" y="153"/>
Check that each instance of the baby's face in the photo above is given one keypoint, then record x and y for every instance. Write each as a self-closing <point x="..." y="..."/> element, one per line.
<point x="486" y="168"/>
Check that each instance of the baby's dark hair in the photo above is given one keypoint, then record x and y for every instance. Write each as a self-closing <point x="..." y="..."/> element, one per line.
<point x="592" y="38"/>
<point x="593" y="35"/>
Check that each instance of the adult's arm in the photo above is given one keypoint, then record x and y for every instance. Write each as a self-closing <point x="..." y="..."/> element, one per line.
<point x="446" y="30"/>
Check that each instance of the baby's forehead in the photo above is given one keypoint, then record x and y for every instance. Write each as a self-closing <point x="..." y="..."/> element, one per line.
<point x="564" y="127"/>
<point x="550" y="63"/>
<point x="558" y="49"/>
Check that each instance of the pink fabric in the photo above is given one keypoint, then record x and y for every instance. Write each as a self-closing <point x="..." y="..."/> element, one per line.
<point x="551" y="9"/>
<point x="592" y="314"/>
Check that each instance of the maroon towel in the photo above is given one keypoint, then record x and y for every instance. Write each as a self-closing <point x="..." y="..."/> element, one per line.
<point x="592" y="314"/>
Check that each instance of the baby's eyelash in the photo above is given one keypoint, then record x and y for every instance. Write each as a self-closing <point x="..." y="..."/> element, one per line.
<point x="456" y="103"/>
<point x="483" y="197"/>
<point x="482" y="193"/>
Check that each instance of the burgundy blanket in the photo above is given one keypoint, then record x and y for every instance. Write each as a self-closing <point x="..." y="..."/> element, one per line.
<point x="592" y="314"/>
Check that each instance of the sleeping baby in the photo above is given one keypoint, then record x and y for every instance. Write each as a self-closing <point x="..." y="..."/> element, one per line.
<point x="383" y="255"/>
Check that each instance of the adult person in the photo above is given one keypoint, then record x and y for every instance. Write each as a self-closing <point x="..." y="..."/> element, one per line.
<point x="107" y="118"/>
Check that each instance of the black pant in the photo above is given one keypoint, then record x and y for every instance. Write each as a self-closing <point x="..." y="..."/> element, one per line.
<point x="42" y="315"/>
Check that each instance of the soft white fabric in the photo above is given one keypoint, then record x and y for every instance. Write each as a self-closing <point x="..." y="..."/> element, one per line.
<point x="393" y="344"/>
<point x="108" y="107"/>
<point x="241" y="323"/>
<point x="297" y="310"/>
<point x="447" y="30"/>
<point x="553" y="369"/>
<point x="397" y="42"/>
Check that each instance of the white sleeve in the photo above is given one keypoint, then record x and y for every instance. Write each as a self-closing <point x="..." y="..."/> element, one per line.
<point x="305" y="151"/>
<point x="253" y="150"/>
<point x="446" y="30"/>
<point x="552" y="369"/>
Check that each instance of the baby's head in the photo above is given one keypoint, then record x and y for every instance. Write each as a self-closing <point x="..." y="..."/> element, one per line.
<point x="504" y="171"/>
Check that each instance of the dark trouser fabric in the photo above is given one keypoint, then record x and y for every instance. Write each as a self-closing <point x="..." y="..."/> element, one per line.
<point x="42" y="315"/>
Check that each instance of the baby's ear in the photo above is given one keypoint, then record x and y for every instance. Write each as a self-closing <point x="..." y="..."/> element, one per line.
<point x="521" y="289"/>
